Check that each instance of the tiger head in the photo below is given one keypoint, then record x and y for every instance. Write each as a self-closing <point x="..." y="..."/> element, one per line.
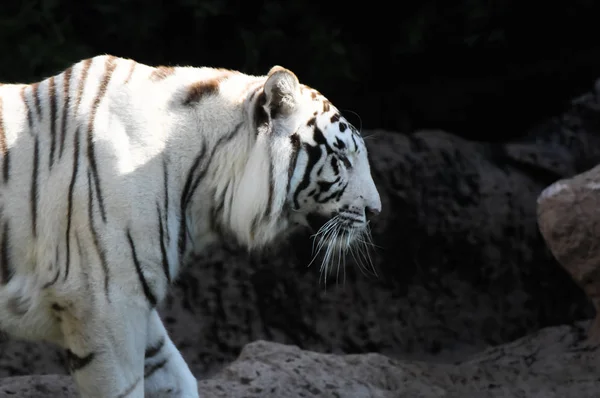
<point x="318" y="170"/>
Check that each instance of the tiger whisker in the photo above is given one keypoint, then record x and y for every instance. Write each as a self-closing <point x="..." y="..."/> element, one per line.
<point x="342" y="259"/>
<point x="332" y="249"/>
<point x="320" y="237"/>
<point x="361" y="260"/>
<point x="368" y="238"/>
<point x="365" y="254"/>
<point x="359" y="119"/>
<point x="336" y="240"/>
<point x="371" y="135"/>
<point x="358" y="260"/>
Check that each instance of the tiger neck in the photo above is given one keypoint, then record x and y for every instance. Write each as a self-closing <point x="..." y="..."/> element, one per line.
<point x="226" y="182"/>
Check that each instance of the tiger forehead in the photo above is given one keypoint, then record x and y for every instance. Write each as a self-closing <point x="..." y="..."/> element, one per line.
<point x="334" y="132"/>
<point x="319" y="100"/>
<point x="327" y="121"/>
<point x="334" y="123"/>
<point x="324" y="107"/>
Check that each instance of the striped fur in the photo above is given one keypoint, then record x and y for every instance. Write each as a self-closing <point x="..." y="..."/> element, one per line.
<point x="113" y="172"/>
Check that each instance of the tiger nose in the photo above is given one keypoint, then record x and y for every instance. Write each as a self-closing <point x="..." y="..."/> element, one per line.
<point x="371" y="212"/>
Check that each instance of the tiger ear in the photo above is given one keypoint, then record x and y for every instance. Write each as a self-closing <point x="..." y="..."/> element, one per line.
<point x="282" y="89"/>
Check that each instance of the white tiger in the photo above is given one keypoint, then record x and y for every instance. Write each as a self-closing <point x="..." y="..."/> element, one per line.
<point x="112" y="171"/>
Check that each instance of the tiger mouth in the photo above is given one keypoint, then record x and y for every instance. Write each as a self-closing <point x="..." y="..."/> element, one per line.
<point x="344" y="222"/>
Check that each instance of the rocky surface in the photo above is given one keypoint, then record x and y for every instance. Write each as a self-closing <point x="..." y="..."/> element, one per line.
<point x="569" y="219"/>
<point x="461" y="264"/>
<point x="555" y="362"/>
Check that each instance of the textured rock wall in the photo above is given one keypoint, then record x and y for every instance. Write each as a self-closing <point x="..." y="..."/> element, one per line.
<point x="555" y="362"/>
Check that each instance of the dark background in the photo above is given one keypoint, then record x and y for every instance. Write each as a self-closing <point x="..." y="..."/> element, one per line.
<point x="486" y="70"/>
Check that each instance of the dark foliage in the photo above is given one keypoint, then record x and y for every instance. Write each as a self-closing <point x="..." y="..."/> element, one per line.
<point x="473" y="66"/>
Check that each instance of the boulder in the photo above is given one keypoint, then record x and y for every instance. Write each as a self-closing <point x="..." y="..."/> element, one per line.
<point x="569" y="219"/>
<point x="555" y="362"/>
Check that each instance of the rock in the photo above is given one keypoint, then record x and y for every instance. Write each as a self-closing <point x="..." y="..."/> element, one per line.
<point x="37" y="386"/>
<point x="460" y="261"/>
<point x="555" y="362"/>
<point x="550" y="363"/>
<point x="569" y="219"/>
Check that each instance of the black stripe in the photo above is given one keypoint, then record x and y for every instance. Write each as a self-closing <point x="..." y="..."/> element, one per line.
<point x="129" y="389"/>
<point x="147" y="292"/>
<point x="216" y="212"/>
<point x="110" y="67"/>
<point x="320" y="139"/>
<point x="76" y="363"/>
<point x="295" y="139"/>
<point x="325" y="186"/>
<point x="181" y="241"/>
<point x="314" y="154"/>
<point x="150" y="370"/>
<point x="261" y="118"/>
<point x="3" y="145"/>
<point x="70" y="201"/>
<point x="53" y="281"/>
<point x="4" y="248"/>
<point x="355" y="144"/>
<point x="335" y="166"/>
<point x="52" y="95"/>
<point x="334" y="195"/>
<point x="33" y="192"/>
<point x="163" y="250"/>
<point x="94" y="169"/>
<point x="166" y="193"/>
<point x="271" y="189"/>
<point x="36" y="96"/>
<point x="99" y="248"/>
<point x="254" y="225"/>
<point x="346" y="162"/>
<point x="6" y="167"/>
<point x="221" y="141"/>
<point x="341" y="192"/>
<point x="84" y="265"/>
<point x="190" y="187"/>
<point x="339" y="144"/>
<point x="154" y="349"/>
<point x="56" y="270"/>
<point x="65" y="110"/>
<point x="28" y="109"/>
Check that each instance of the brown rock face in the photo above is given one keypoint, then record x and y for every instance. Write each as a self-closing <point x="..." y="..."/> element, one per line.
<point x="569" y="220"/>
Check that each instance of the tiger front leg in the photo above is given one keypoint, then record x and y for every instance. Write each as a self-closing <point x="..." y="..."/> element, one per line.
<point x="165" y="372"/>
<point x="105" y="347"/>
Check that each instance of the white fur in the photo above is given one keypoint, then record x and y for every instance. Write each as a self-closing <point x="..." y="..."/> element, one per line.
<point x="142" y="130"/>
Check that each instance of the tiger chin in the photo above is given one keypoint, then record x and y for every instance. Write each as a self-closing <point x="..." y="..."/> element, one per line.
<point x="112" y="172"/>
